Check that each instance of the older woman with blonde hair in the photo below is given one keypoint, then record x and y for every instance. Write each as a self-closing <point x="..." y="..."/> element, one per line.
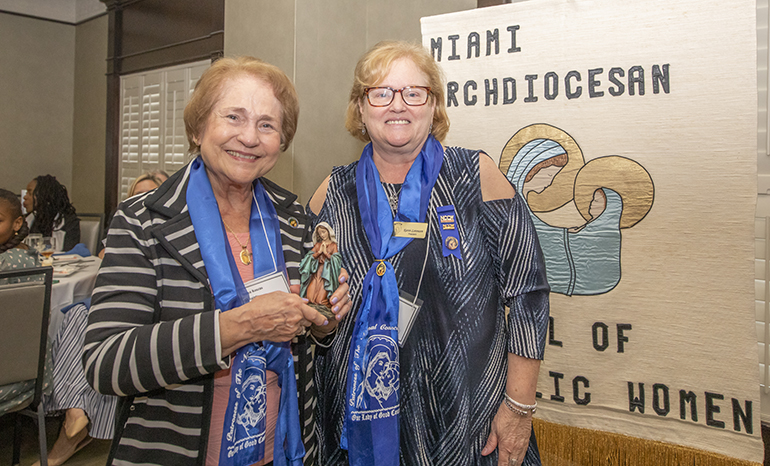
<point x="438" y="244"/>
<point x="195" y="305"/>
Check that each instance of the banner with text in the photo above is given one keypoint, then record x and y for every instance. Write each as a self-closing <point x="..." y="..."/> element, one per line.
<point x="630" y="130"/>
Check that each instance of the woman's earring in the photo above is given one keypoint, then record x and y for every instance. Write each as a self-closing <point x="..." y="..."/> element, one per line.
<point x="431" y="128"/>
<point x="363" y="130"/>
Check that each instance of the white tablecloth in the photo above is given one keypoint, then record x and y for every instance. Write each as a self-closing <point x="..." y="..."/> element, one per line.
<point x="71" y="289"/>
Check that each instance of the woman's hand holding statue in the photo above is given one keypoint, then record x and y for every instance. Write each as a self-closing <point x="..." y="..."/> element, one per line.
<point x="341" y="304"/>
<point x="275" y="316"/>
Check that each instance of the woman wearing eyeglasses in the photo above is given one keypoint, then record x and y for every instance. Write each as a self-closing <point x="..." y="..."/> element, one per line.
<point x="437" y="243"/>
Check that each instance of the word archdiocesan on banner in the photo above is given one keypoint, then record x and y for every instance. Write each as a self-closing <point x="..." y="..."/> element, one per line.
<point x="633" y="81"/>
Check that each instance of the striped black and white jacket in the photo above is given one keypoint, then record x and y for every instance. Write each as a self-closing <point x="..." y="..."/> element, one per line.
<point x="153" y="330"/>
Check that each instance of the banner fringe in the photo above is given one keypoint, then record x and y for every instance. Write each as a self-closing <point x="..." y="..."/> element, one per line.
<point x="562" y="445"/>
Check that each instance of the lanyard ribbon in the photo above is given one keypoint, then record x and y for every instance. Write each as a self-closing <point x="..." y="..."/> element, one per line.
<point x="243" y="436"/>
<point x="370" y="431"/>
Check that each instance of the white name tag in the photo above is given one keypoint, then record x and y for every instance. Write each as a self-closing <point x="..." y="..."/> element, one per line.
<point x="408" y="308"/>
<point x="275" y="281"/>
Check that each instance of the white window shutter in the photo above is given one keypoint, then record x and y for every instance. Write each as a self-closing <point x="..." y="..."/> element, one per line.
<point x="152" y="120"/>
<point x="130" y="166"/>
<point x="174" y="139"/>
<point x="151" y="110"/>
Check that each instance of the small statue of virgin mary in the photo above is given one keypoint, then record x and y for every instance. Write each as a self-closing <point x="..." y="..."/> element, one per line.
<point x="320" y="269"/>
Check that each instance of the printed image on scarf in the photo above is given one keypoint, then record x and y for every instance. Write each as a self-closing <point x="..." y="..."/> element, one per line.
<point x="247" y="428"/>
<point x="377" y="393"/>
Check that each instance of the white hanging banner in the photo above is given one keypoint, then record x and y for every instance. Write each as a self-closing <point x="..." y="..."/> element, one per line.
<point x="630" y="129"/>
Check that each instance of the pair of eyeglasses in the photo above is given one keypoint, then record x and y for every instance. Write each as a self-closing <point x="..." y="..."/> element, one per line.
<point x="413" y="96"/>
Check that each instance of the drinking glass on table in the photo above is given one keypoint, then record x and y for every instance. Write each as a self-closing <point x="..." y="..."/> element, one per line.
<point x="47" y="248"/>
<point x="34" y="241"/>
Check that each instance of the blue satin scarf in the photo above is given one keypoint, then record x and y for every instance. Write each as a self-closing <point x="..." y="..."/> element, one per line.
<point x="370" y="431"/>
<point x="243" y="436"/>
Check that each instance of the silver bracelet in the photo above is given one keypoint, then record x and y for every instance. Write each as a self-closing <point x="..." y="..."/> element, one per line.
<point x="515" y="409"/>
<point x="519" y="408"/>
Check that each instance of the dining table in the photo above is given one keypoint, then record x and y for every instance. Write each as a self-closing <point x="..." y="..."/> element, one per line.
<point x="74" y="278"/>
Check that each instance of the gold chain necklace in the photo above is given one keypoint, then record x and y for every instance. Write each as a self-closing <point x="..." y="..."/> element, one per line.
<point x="245" y="255"/>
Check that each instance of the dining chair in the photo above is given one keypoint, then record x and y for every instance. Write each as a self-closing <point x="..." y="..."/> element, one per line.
<point x="91" y="229"/>
<point x="24" y="317"/>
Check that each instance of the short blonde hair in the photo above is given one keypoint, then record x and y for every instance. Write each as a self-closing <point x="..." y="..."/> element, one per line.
<point x="208" y="91"/>
<point x="375" y="65"/>
<point x="152" y="176"/>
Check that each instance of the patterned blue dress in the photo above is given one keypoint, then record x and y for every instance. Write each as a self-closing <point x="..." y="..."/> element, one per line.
<point x="453" y="363"/>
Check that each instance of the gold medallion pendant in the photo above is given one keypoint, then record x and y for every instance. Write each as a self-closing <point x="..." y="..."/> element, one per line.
<point x="381" y="269"/>
<point x="245" y="256"/>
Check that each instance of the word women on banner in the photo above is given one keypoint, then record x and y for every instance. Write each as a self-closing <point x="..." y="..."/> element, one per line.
<point x="706" y="409"/>
<point x="741" y="415"/>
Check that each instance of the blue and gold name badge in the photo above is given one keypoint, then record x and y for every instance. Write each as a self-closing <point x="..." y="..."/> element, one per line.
<point x="450" y="237"/>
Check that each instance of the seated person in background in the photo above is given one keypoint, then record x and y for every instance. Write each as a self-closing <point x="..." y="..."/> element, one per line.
<point x="70" y="392"/>
<point x="51" y="213"/>
<point x="13" y="230"/>
<point x="87" y="414"/>
<point x="147" y="182"/>
<point x="14" y="255"/>
<point x="143" y="183"/>
<point x="64" y="369"/>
